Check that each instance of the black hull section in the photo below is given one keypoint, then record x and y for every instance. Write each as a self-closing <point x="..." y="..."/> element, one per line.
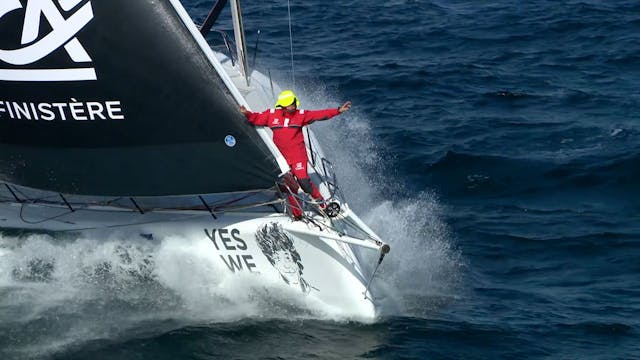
<point x="156" y="120"/>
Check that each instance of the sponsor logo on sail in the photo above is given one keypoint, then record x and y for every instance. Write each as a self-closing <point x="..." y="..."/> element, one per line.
<point x="62" y="110"/>
<point x="230" y="140"/>
<point x="66" y="19"/>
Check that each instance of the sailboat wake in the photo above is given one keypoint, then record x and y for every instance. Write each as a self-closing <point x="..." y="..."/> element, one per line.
<point x="425" y="271"/>
<point x="58" y="292"/>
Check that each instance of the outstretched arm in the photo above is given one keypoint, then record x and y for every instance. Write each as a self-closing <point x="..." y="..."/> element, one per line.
<point x="319" y="115"/>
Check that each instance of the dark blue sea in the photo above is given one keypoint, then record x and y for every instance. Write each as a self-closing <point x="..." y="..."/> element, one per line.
<point x="494" y="144"/>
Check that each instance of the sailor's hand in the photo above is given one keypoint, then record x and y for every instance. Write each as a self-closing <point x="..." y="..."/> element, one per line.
<point x="346" y="106"/>
<point x="243" y="110"/>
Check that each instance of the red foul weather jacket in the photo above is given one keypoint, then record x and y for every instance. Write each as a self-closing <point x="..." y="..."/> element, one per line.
<point x="287" y="129"/>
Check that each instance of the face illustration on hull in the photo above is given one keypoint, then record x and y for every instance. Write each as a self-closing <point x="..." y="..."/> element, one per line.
<point x="288" y="269"/>
<point x="278" y="247"/>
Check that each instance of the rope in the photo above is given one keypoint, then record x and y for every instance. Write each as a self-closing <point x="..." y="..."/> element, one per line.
<point x="293" y="74"/>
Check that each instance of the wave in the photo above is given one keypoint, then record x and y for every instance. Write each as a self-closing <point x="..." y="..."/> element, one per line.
<point x="598" y="328"/>
<point x="424" y="270"/>
<point x="474" y="175"/>
<point x="64" y="291"/>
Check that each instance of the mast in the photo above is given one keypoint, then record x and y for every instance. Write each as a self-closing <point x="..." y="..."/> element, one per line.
<point x="241" y="46"/>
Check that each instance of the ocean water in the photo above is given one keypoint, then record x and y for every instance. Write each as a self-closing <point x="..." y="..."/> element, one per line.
<point x="494" y="144"/>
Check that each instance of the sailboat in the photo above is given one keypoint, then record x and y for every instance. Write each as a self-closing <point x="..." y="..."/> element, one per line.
<point x="118" y="116"/>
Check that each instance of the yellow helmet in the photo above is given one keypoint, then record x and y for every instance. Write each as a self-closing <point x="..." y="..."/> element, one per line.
<point x="287" y="98"/>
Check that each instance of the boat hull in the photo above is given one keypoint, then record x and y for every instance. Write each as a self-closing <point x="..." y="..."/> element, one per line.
<point x="267" y="250"/>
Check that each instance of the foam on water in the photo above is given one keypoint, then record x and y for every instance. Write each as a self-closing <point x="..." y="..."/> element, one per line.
<point x="62" y="292"/>
<point x="423" y="269"/>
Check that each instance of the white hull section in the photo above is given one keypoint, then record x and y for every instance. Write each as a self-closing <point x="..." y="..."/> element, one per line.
<point x="272" y="249"/>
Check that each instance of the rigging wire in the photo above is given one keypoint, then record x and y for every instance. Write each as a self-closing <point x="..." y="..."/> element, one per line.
<point x="293" y="74"/>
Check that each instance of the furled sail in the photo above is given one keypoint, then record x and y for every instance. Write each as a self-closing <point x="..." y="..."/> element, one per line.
<point x="118" y="98"/>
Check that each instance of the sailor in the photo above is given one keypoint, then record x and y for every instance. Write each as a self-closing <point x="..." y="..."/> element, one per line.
<point x="286" y="121"/>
